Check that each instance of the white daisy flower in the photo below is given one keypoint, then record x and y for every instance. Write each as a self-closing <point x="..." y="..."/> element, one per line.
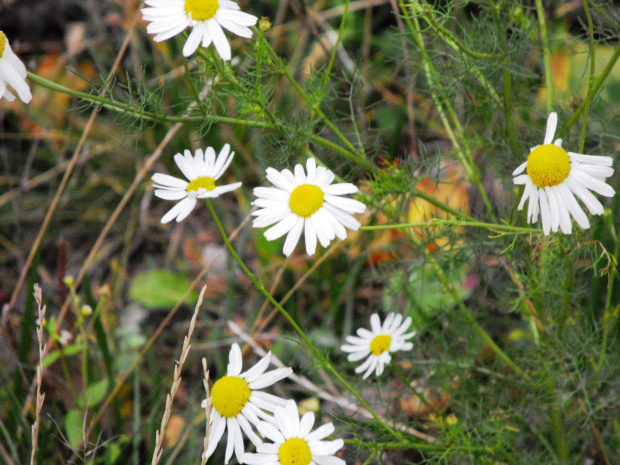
<point x="202" y="170"/>
<point x="236" y="401"/>
<point x="555" y="176"/>
<point x="12" y="73"/>
<point x="293" y="441"/>
<point x="305" y="202"/>
<point x="379" y="343"/>
<point x="205" y="17"/>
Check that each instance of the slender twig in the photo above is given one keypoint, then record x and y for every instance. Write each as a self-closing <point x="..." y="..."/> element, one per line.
<point x="176" y="381"/>
<point x="74" y="159"/>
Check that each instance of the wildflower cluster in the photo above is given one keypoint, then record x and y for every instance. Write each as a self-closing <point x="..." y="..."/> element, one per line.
<point x="310" y="199"/>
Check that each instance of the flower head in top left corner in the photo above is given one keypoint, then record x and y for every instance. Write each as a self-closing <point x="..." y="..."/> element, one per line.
<point x="202" y="170"/>
<point x="12" y="73"/>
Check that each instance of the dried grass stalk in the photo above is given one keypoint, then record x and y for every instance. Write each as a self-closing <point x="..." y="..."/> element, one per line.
<point x="38" y="297"/>
<point x="159" y="436"/>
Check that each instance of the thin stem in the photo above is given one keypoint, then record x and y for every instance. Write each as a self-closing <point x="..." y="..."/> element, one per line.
<point x="465" y="311"/>
<point x="313" y="106"/>
<point x="595" y="88"/>
<point x="406" y="382"/>
<point x="465" y="223"/>
<point x="591" y="52"/>
<point x="160" y="117"/>
<point x="332" y="57"/>
<point x="444" y="108"/>
<point x="309" y="344"/>
<point x="542" y="25"/>
<point x="449" y="38"/>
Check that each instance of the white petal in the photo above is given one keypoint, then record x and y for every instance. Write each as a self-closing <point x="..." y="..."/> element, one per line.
<point x="552" y="123"/>
<point x="270" y="432"/>
<point x="305" y="424"/>
<point x="194" y="39"/>
<point x="281" y="228"/>
<point x="257" y="369"/>
<point x="235" y="361"/>
<point x="215" y="434"/>
<point x="520" y="169"/>
<point x="165" y="180"/>
<point x="321" y="432"/>
<point x="310" y="237"/>
<point x="219" y="39"/>
<point x="170" y="194"/>
<point x="269" y="378"/>
<point x="340" y="189"/>
<point x="293" y="237"/>
<point x="179" y="211"/>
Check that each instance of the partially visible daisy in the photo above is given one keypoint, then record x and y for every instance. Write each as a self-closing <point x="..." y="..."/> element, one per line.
<point x="202" y="170"/>
<point x="205" y="17"/>
<point x="555" y="176"/>
<point x="12" y="73"/>
<point x="379" y="343"/>
<point x="236" y="401"/>
<point x="294" y="442"/>
<point x="305" y="202"/>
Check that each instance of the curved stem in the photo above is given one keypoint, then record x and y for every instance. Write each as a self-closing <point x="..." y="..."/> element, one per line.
<point x="309" y="344"/>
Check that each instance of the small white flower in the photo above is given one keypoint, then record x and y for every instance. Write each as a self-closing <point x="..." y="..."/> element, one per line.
<point x="203" y="169"/>
<point x="293" y="441"/>
<point x="205" y="17"/>
<point x="379" y="343"/>
<point x="555" y="176"/>
<point x="236" y="401"/>
<point x="309" y="203"/>
<point x="12" y="73"/>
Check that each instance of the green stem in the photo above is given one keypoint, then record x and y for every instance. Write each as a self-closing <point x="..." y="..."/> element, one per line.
<point x="465" y="223"/>
<point x="595" y="88"/>
<point x="332" y="57"/>
<point x="586" y="102"/>
<point x="313" y="106"/>
<point x="465" y="311"/>
<point x="160" y="117"/>
<point x="406" y="382"/>
<point x="449" y="38"/>
<point x="542" y="25"/>
<point x="323" y="360"/>
<point x="444" y="108"/>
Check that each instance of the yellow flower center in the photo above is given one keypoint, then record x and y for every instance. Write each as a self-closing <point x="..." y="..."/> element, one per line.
<point x="204" y="182"/>
<point x="305" y="200"/>
<point x="294" y="451"/>
<point x="380" y="344"/>
<point x="548" y="165"/>
<point x="2" y="43"/>
<point x="229" y="395"/>
<point x="201" y="10"/>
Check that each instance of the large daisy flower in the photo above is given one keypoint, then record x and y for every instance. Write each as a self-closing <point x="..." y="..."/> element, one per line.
<point x="379" y="343"/>
<point x="554" y="177"/>
<point x="294" y="442"/>
<point x="202" y="170"/>
<point x="205" y="17"/>
<point x="305" y="202"/>
<point x="12" y="73"/>
<point x="236" y="401"/>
